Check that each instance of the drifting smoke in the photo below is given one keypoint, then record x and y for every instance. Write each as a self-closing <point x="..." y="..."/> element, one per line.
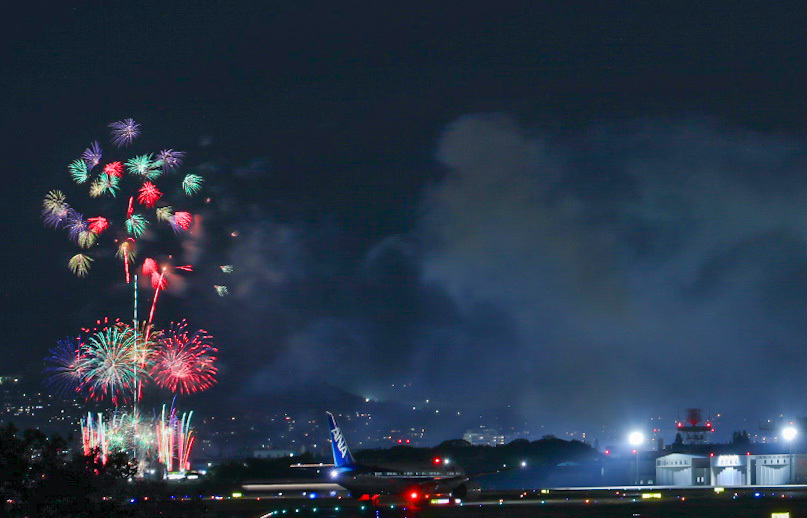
<point x="644" y="266"/>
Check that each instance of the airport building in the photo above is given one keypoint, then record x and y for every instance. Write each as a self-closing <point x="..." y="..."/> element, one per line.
<point x="678" y="469"/>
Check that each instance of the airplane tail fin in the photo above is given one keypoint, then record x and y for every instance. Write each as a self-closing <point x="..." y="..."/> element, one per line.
<point x="341" y="453"/>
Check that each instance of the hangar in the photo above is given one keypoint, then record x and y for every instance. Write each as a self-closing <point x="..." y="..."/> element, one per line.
<point x="680" y="469"/>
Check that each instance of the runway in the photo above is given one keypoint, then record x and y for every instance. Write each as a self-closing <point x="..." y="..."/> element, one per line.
<point x="644" y="502"/>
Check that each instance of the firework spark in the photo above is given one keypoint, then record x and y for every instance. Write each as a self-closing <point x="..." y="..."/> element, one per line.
<point x="92" y="155"/>
<point x="226" y="268"/>
<point x="184" y="362"/>
<point x="221" y="291"/>
<point x="124" y="132"/>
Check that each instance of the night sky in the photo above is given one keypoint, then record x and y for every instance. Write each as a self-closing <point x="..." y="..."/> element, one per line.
<point x="590" y="214"/>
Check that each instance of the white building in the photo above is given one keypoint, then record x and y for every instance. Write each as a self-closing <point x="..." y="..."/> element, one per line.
<point x="681" y="469"/>
<point x="678" y="469"/>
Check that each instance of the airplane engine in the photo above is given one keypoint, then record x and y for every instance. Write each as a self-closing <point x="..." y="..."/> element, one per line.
<point x="467" y="491"/>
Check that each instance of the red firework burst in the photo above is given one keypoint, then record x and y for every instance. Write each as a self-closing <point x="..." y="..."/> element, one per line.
<point x="149" y="194"/>
<point x="149" y="267"/>
<point x="184" y="362"/>
<point x="98" y="225"/>
<point x="183" y="220"/>
<point x="114" y="169"/>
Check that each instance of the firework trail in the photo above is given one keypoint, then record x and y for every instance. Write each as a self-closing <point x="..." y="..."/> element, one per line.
<point x="94" y="436"/>
<point x="184" y="362"/>
<point x="174" y="439"/>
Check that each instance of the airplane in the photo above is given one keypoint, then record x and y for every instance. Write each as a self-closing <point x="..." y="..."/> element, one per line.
<point x="414" y="483"/>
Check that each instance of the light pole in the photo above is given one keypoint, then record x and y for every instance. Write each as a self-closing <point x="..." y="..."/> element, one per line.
<point x="636" y="438"/>
<point x="789" y="434"/>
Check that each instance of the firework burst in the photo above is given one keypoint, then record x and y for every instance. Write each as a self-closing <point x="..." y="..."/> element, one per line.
<point x="148" y="194"/>
<point x="124" y="132"/>
<point x="80" y="264"/>
<point x="78" y="171"/>
<point x="181" y="221"/>
<point x="145" y="166"/>
<point x="65" y="366"/>
<point x="136" y="225"/>
<point x="92" y="155"/>
<point x="164" y="213"/>
<point x="192" y="183"/>
<point x="55" y="210"/>
<point x="114" y="169"/>
<point x="184" y="362"/>
<point x="98" y="224"/>
<point x="171" y="160"/>
<point x="111" y="359"/>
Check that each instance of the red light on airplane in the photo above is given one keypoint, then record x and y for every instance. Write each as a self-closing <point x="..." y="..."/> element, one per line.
<point x="436" y="460"/>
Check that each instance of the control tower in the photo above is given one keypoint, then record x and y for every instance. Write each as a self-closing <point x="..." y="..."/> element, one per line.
<point x="691" y="430"/>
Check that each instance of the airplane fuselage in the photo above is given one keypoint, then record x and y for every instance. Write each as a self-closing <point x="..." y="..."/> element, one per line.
<point x="387" y="480"/>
